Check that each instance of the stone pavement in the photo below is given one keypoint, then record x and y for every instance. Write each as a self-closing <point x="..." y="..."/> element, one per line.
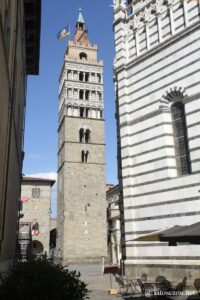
<point x="98" y="284"/>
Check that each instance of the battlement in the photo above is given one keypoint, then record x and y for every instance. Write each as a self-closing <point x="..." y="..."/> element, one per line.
<point x="89" y="46"/>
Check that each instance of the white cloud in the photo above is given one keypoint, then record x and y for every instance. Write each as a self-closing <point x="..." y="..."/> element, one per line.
<point x="49" y="175"/>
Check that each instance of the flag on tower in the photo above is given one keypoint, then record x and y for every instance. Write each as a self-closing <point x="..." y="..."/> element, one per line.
<point x="65" y="31"/>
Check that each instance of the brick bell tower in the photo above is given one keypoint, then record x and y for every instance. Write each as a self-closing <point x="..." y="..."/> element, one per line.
<point x="81" y="154"/>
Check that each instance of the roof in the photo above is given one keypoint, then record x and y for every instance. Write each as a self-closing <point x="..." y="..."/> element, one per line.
<point x="80" y="17"/>
<point x="52" y="181"/>
<point x="32" y="10"/>
<point x="110" y="187"/>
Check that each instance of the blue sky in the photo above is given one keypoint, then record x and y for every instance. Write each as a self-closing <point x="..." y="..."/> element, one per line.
<point x="42" y="91"/>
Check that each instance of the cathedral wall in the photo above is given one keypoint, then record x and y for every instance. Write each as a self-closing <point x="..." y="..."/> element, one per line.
<point x="150" y="64"/>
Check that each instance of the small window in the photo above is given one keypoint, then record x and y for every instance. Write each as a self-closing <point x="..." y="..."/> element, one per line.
<point x="87" y="112"/>
<point x="180" y="139"/>
<point x="69" y="74"/>
<point x="87" y="135"/>
<point x="83" y="55"/>
<point x="99" y="78"/>
<point x="35" y="192"/>
<point x="81" y="76"/>
<point x="86" y="77"/>
<point x="84" y="155"/>
<point x="87" y="95"/>
<point x="82" y="112"/>
<point x="81" y="94"/>
<point x="81" y="135"/>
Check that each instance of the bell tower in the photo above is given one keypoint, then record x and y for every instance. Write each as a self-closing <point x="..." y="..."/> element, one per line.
<point x="81" y="153"/>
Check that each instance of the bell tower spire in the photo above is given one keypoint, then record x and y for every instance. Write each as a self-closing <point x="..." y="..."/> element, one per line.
<point x="80" y="23"/>
<point x="81" y="31"/>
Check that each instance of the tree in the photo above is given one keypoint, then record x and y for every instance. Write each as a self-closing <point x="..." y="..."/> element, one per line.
<point x="41" y="280"/>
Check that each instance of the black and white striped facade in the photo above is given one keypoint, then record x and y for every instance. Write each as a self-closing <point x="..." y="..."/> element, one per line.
<point x="157" y="65"/>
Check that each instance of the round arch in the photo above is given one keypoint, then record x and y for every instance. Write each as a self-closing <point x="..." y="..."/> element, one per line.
<point x="37" y="247"/>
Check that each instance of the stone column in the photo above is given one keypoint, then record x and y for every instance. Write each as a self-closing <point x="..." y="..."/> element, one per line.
<point x="90" y="112"/>
<point x="185" y="10"/>
<point x="147" y="35"/>
<point x="171" y="15"/>
<point x="159" y="28"/>
<point x="135" y="25"/>
<point x="146" y="15"/>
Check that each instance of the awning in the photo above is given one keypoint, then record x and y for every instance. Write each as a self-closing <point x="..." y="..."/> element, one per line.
<point x="186" y="234"/>
<point x="155" y="236"/>
<point x="183" y="234"/>
<point x="25" y="199"/>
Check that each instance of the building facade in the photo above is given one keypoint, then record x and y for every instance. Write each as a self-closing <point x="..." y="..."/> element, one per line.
<point x="114" y="225"/>
<point x="19" y="56"/>
<point x="36" y="210"/>
<point x="81" y="153"/>
<point x="157" y="70"/>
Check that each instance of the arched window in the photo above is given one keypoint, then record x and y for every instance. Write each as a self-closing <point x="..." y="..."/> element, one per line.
<point x="81" y="76"/>
<point x="84" y="155"/>
<point x="87" y="135"/>
<point x="81" y="135"/>
<point x="99" y="78"/>
<point x="83" y="55"/>
<point x="99" y="96"/>
<point x="86" y="77"/>
<point x="87" y="93"/>
<point x="82" y="111"/>
<point x="81" y="94"/>
<point x="35" y="192"/>
<point x="180" y="139"/>
<point x="69" y="74"/>
<point x="87" y="112"/>
<point x="69" y="93"/>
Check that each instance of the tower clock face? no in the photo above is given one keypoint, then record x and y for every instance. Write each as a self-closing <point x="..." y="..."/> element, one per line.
<point x="84" y="170"/>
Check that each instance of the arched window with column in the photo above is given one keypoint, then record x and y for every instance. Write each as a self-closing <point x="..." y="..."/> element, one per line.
<point x="87" y="135"/>
<point x="84" y="155"/>
<point x="81" y="135"/>
<point x="180" y="138"/>
<point x="87" y="95"/>
<point x="81" y="76"/>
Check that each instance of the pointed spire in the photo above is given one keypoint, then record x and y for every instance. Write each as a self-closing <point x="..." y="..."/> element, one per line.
<point x="80" y="17"/>
<point x="81" y="31"/>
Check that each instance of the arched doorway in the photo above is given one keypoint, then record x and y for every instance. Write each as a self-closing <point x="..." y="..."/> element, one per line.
<point x="37" y="247"/>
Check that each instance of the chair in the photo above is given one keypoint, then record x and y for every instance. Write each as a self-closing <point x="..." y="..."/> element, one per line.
<point x="165" y="286"/>
<point x="147" y="289"/>
<point x="197" y="285"/>
<point x="124" y="284"/>
<point x="159" y="279"/>
<point x="141" y="284"/>
<point x="181" y="285"/>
